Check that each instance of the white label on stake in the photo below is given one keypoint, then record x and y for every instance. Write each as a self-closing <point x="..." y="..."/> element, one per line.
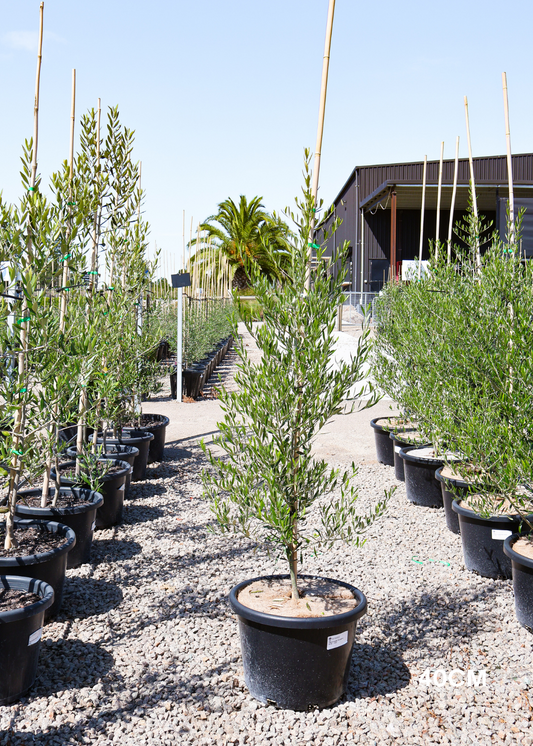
<point x="397" y="449"/>
<point x="500" y="534"/>
<point x="93" y="526"/>
<point x="35" y="636"/>
<point x="336" y="641"/>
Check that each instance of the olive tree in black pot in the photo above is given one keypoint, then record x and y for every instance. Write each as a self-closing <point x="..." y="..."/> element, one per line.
<point x="297" y="631"/>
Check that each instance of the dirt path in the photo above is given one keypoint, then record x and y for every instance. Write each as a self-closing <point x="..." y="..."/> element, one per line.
<point x="347" y="438"/>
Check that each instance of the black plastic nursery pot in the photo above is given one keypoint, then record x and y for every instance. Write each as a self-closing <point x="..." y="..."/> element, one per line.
<point x="193" y="381"/>
<point x="116" y="451"/>
<point x="483" y="541"/>
<point x="522" y="569"/>
<point x="421" y="486"/>
<point x="159" y="431"/>
<point x="384" y="445"/>
<point x="80" y="518"/>
<point x="141" y="440"/>
<point x="293" y="663"/>
<point x="113" y="486"/>
<point x="452" y="488"/>
<point x="20" y="637"/>
<point x="48" y="566"/>
<point x="402" y="439"/>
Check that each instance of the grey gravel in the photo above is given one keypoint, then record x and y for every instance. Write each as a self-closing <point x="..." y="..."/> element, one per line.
<point x="146" y="650"/>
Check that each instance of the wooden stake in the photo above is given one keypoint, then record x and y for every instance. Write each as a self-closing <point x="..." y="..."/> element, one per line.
<point x="439" y="193"/>
<point x="36" y="104"/>
<point x="510" y="237"/>
<point x="454" y="194"/>
<point x="20" y="413"/>
<point x="64" y="281"/>
<point x="473" y="183"/>
<point x="320" y="128"/>
<point x="421" y="245"/>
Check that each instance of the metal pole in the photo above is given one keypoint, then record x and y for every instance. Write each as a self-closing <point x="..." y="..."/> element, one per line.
<point x="362" y="253"/>
<point x="179" y="356"/>
<point x="421" y="246"/>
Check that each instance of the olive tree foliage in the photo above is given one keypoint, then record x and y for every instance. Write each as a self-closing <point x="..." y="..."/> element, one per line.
<point x="269" y="482"/>
<point x="454" y="350"/>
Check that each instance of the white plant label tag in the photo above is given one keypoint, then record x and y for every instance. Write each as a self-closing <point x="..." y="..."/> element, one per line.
<point x="122" y="486"/>
<point x="35" y="636"/>
<point x="500" y="534"/>
<point x="336" y="641"/>
<point x="93" y="526"/>
<point x="397" y="449"/>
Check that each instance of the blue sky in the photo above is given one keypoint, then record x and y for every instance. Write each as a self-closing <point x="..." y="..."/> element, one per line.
<point x="223" y="95"/>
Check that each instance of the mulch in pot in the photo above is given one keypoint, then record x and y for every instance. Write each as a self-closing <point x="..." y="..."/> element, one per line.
<point x="30" y="540"/>
<point x="11" y="599"/>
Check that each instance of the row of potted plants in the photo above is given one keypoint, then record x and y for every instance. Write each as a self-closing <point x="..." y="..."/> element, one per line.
<point x="74" y="349"/>
<point x="454" y="351"/>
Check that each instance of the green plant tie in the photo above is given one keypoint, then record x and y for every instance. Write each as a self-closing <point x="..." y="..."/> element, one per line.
<point x="17" y="453"/>
<point x="67" y="256"/>
<point x="22" y="320"/>
<point x="314" y="246"/>
<point x="23" y="391"/>
<point x="71" y="204"/>
<point x="92" y="272"/>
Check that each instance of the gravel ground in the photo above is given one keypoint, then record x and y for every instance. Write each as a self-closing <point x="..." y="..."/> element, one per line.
<point x="146" y="649"/>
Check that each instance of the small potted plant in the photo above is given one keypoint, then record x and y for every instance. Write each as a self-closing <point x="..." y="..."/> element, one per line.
<point x="297" y="631"/>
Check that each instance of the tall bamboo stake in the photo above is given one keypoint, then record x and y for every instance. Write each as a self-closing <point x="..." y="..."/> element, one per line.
<point x="473" y="183"/>
<point x="320" y="128"/>
<point x="439" y="193"/>
<point x="64" y="281"/>
<point x="422" y="209"/>
<point x="454" y="194"/>
<point x="20" y="412"/>
<point x="510" y="237"/>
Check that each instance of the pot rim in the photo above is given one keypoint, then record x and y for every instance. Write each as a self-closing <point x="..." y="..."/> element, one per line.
<point x="516" y="556"/>
<point x="126" y="468"/>
<point x="36" y="559"/>
<point x="131" y="449"/>
<point x="425" y="461"/>
<point x="32" y="585"/>
<point x="163" y="421"/>
<point x="375" y="426"/>
<point x="94" y="500"/>
<point x="274" y="620"/>
<point x="469" y="513"/>
<point x="143" y="436"/>
<point x="451" y="481"/>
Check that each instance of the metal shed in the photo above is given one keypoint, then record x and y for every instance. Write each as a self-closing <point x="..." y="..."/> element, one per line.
<point x="375" y="199"/>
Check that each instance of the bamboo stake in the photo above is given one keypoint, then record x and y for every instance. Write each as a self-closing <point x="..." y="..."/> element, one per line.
<point x="37" y="89"/>
<point x="511" y="236"/>
<point x="454" y="194"/>
<point x="473" y="183"/>
<point x="439" y="193"/>
<point x="320" y="128"/>
<point x="421" y="245"/>
<point x="64" y="281"/>
<point x="20" y="412"/>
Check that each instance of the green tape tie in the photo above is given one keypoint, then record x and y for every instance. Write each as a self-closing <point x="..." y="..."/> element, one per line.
<point x="31" y="189"/>
<point x="92" y="272"/>
<point x="22" y="320"/>
<point x="17" y="453"/>
<point x="71" y="204"/>
<point x="67" y="256"/>
<point x="23" y="391"/>
<point x="314" y="246"/>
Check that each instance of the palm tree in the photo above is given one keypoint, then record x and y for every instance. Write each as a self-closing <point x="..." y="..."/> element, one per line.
<point x="242" y="232"/>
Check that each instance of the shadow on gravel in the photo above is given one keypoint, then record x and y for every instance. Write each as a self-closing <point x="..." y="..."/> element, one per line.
<point x="142" y="514"/>
<point x="105" y="550"/>
<point x="70" y="664"/>
<point x="140" y="490"/>
<point x="375" y="671"/>
<point x="86" y="597"/>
